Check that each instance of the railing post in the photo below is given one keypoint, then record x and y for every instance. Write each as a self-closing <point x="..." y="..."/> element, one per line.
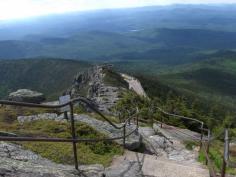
<point x="137" y="121"/>
<point x="129" y="117"/>
<point x="152" y="121"/>
<point x="226" y="153"/>
<point x="201" y="137"/>
<point x="208" y="143"/>
<point x="119" y="115"/>
<point x="73" y="135"/>
<point x="66" y="116"/>
<point x="124" y="134"/>
<point x="161" y="121"/>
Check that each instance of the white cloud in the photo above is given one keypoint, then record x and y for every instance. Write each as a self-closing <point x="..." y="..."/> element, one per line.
<point x="10" y="9"/>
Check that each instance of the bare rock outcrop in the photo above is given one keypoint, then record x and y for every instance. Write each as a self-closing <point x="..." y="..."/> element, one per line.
<point x="17" y="162"/>
<point x="26" y="95"/>
<point x="92" y="85"/>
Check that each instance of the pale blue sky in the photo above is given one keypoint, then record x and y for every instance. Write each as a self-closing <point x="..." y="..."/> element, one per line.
<point x="13" y="9"/>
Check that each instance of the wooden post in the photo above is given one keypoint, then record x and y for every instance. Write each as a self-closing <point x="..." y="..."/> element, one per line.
<point x="223" y="168"/>
<point x="137" y="121"/>
<point x="119" y="117"/>
<point x="161" y="121"/>
<point x="226" y="153"/>
<point x="129" y="117"/>
<point x="124" y="134"/>
<point x="66" y="116"/>
<point x="208" y="143"/>
<point x="73" y="135"/>
<point x="201" y="137"/>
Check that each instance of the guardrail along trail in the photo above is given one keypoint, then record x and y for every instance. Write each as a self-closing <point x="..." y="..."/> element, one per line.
<point x="204" y="141"/>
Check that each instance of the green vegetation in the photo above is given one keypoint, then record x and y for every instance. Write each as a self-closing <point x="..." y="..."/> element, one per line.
<point x="216" y="156"/>
<point x="88" y="153"/>
<point x="203" y="90"/>
<point x="174" y="102"/>
<point x="49" y="76"/>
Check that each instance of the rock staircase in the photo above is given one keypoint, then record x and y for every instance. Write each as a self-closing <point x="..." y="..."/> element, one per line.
<point x="133" y="164"/>
<point x="171" y="158"/>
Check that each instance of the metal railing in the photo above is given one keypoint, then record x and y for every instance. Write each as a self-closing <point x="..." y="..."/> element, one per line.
<point x="74" y="139"/>
<point x="204" y="142"/>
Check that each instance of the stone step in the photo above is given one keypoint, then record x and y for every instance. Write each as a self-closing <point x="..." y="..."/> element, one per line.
<point x="158" y="168"/>
<point x="149" y="165"/>
<point x="132" y="156"/>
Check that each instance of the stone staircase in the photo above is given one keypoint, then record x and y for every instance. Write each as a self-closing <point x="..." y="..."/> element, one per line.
<point x="171" y="158"/>
<point x="133" y="164"/>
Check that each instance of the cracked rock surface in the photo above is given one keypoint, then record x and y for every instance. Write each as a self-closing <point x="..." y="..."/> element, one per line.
<point x="17" y="162"/>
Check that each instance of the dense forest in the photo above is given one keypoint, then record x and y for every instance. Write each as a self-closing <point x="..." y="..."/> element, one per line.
<point x="215" y="115"/>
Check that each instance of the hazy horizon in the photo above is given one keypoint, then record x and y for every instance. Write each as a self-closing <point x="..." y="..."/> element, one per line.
<point x="15" y="9"/>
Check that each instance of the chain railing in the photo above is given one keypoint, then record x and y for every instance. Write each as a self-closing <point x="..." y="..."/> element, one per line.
<point x="74" y="140"/>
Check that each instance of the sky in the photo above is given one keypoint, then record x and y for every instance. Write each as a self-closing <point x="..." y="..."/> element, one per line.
<point x="15" y="9"/>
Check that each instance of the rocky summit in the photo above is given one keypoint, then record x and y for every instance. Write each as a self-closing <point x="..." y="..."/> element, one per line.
<point x="101" y="85"/>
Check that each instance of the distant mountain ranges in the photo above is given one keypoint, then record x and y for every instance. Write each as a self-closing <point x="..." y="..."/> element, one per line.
<point x="174" y="33"/>
<point x="191" y="48"/>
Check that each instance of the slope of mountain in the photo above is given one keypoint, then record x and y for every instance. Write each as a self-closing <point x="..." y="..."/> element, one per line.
<point x="211" y="77"/>
<point x="49" y="76"/>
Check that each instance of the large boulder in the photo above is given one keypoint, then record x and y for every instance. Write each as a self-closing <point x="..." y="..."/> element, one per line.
<point x="26" y="95"/>
<point x="154" y="144"/>
<point x="146" y="131"/>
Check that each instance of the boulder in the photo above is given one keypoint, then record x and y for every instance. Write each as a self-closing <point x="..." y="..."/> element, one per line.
<point x="154" y="144"/>
<point x="158" y="145"/>
<point x="146" y="131"/>
<point x="26" y="95"/>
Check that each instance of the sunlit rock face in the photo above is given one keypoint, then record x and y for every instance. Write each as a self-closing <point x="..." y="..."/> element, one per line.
<point x="92" y="84"/>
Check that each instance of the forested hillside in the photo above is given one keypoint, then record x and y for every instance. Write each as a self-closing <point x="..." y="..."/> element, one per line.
<point x="49" y="76"/>
<point x="211" y="80"/>
<point x="169" y="34"/>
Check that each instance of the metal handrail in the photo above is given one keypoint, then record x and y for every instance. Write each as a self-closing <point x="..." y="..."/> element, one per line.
<point x="202" y="141"/>
<point x="74" y="140"/>
<point x="61" y="140"/>
<point x="82" y="99"/>
<point x="182" y="117"/>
